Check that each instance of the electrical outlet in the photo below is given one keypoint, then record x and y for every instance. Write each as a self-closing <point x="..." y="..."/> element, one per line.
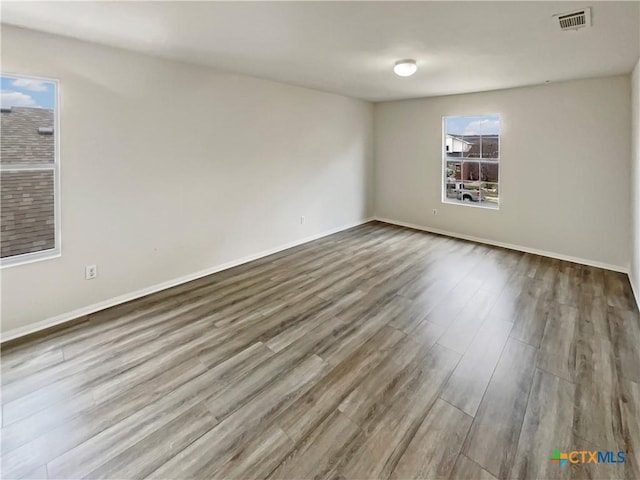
<point x="435" y="211"/>
<point x="302" y="220"/>
<point x="90" y="272"/>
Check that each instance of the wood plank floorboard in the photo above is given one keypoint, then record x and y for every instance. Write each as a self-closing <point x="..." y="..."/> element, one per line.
<point x="465" y="389"/>
<point x="467" y="469"/>
<point x="494" y="434"/>
<point x="433" y="451"/>
<point x="378" y="352"/>
<point x="558" y="348"/>
<point x="547" y="422"/>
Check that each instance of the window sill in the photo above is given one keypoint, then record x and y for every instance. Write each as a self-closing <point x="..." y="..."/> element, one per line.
<point x="29" y="258"/>
<point x="483" y="205"/>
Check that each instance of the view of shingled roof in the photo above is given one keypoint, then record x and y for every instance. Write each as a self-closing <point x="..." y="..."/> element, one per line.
<point x="27" y="196"/>
<point x="21" y="142"/>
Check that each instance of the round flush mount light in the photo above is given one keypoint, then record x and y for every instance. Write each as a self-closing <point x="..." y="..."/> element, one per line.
<point x="405" y="68"/>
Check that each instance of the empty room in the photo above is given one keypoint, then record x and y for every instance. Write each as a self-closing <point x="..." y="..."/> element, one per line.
<point x="302" y="240"/>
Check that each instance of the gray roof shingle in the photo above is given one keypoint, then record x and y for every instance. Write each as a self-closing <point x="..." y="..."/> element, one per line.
<point x="27" y="206"/>
<point x="21" y="142"/>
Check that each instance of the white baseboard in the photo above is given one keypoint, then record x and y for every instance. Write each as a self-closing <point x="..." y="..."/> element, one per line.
<point x="127" y="297"/>
<point x="635" y="291"/>
<point x="583" y="261"/>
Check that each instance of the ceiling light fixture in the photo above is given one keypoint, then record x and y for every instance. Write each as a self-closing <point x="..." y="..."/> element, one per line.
<point x="405" y="68"/>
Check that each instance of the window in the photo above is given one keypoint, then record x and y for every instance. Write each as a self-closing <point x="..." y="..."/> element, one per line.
<point x="471" y="160"/>
<point x="29" y="170"/>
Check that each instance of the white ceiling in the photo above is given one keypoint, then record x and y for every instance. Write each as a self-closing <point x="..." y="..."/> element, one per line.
<point x="350" y="47"/>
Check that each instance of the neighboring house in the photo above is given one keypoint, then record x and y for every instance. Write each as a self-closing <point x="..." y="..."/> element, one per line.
<point x="26" y="196"/>
<point x="468" y="146"/>
<point x="489" y="143"/>
<point x="470" y="171"/>
<point x="457" y="145"/>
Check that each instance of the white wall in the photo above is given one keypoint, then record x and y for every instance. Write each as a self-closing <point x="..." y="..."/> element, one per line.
<point x="564" y="167"/>
<point x="635" y="182"/>
<point x="168" y="169"/>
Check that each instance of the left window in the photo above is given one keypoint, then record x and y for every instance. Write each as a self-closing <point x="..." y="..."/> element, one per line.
<point x="29" y="170"/>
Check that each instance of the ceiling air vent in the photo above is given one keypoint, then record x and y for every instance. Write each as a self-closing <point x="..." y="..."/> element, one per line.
<point x="574" y="20"/>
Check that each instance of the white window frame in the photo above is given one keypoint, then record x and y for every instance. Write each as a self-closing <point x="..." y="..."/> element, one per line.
<point x="497" y="161"/>
<point x="55" y="252"/>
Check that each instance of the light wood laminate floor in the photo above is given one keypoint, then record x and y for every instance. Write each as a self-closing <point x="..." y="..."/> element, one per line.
<point x="377" y="352"/>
